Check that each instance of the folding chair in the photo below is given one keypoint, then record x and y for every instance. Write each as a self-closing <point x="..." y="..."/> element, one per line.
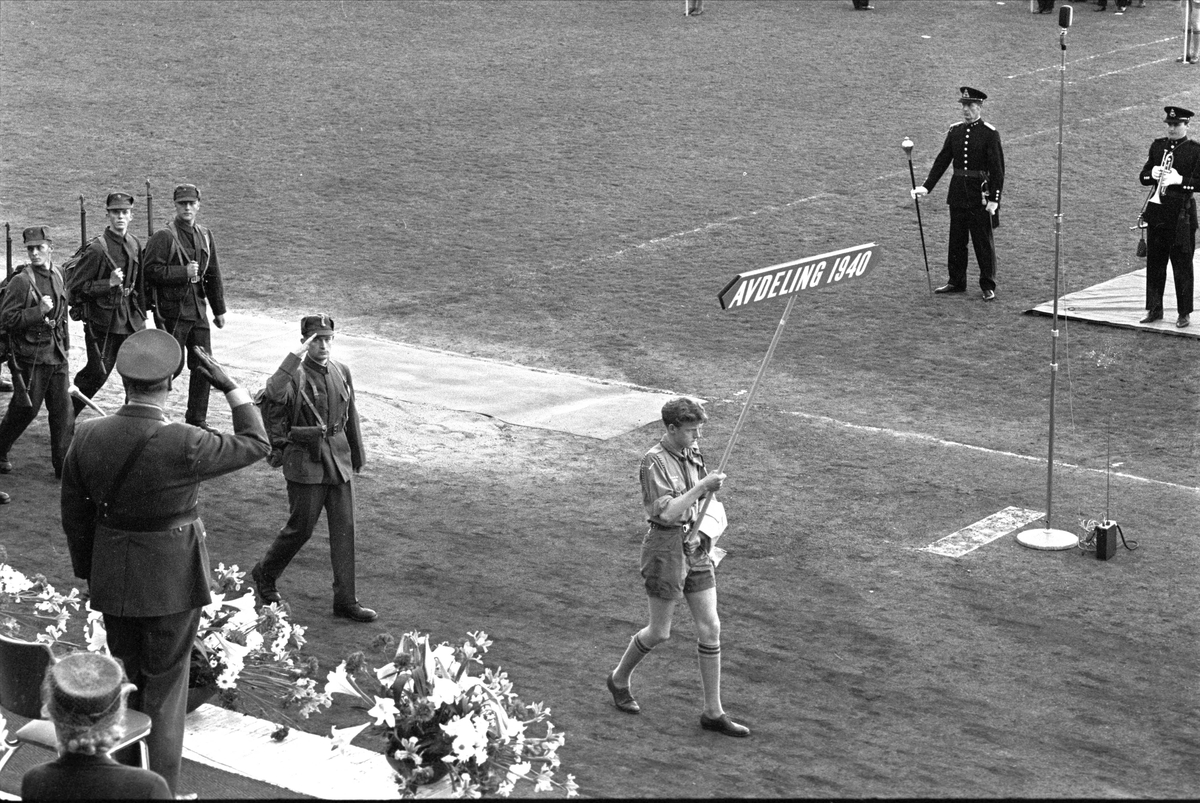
<point x="23" y="666"/>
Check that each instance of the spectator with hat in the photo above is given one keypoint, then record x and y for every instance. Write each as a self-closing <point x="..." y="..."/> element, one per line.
<point x="84" y="696"/>
<point x="316" y="438"/>
<point x="33" y="312"/>
<point x="1173" y="169"/>
<point x="107" y="294"/>
<point x="183" y="278"/>
<point x="973" y="147"/>
<point x="129" y="509"/>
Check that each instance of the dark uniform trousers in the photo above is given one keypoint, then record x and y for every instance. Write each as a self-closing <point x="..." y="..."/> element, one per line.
<point x="47" y="383"/>
<point x="1178" y="244"/>
<point x="157" y="652"/>
<point x="189" y="334"/>
<point x="974" y="223"/>
<point x="102" y="348"/>
<point x="305" y="503"/>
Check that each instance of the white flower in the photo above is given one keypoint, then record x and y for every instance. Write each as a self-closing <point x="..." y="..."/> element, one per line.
<point x="443" y="692"/>
<point x="440" y="661"/>
<point x="470" y="738"/>
<point x="386" y="675"/>
<point x="12" y="581"/>
<point x="342" y="737"/>
<point x="338" y="683"/>
<point x="384" y="711"/>
<point x="517" y="771"/>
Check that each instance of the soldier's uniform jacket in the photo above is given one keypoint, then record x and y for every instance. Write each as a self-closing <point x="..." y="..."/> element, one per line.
<point x="1177" y="199"/>
<point x="148" y="556"/>
<point x="106" y="308"/>
<point x="36" y="337"/>
<point x="167" y="255"/>
<point x="974" y="150"/>
<point x="331" y="390"/>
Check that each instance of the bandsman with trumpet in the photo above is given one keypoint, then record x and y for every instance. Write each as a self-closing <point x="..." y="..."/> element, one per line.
<point x="1173" y="170"/>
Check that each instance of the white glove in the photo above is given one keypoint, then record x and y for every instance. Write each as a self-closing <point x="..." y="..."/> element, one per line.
<point x="919" y="192"/>
<point x="1156" y="172"/>
<point x="991" y="207"/>
<point x="1172" y="177"/>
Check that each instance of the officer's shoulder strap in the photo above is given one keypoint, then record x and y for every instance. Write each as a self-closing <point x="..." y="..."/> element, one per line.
<point x="989" y="125"/>
<point x="954" y="125"/>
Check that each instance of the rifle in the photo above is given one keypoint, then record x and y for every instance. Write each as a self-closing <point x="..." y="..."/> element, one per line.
<point x="149" y="211"/>
<point x="82" y="222"/>
<point x="7" y="252"/>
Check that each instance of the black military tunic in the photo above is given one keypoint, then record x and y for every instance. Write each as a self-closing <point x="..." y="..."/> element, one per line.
<point x="1171" y="224"/>
<point x="974" y="150"/>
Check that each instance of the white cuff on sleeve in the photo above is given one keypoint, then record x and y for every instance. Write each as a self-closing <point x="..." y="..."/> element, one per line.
<point x="238" y="396"/>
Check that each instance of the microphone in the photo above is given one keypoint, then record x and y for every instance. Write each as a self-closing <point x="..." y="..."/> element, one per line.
<point x="1064" y="18"/>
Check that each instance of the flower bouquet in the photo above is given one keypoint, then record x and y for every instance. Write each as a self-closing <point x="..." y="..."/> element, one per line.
<point x="249" y="659"/>
<point x="446" y="729"/>
<point x="31" y="604"/>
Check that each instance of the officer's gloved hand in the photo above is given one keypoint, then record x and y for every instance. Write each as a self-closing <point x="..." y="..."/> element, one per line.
<point x="918" y="192"/>
<point x="275" y="458"/>
<point x="211" y="370"/>
<point x="1172" y="177"/>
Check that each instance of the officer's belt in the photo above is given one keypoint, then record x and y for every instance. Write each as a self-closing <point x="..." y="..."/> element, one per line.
<point x="971" y="173"/>
<point x="150" y="524"/>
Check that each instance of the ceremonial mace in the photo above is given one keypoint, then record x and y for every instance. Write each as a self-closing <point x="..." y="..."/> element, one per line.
<point x="907" y="144"/>
<point x="1045" y="537"/>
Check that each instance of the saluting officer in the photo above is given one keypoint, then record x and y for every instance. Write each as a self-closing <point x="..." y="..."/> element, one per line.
<point x="973" y="147"/>
<point x="107" y="294"/>
<point x="1170" y="215"/>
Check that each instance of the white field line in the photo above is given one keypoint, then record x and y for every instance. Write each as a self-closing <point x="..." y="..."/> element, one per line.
<point x="1094" y="56"/>
<point x="920" y="436"/>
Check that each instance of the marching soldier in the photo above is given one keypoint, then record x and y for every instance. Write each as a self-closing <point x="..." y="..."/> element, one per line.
<point x="1170" y="215"/>
<point x="107" y="294"/>
<point x="973" y="147"/>
<point x="34" y="313"/>
<point x="184" y="278"/>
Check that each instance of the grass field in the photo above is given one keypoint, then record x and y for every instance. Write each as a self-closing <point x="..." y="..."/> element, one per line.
<point x="568" y="185"/>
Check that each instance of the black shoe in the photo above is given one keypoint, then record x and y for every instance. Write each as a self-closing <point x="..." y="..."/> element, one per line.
<point x="949" y="288"/>
<point x="1154" y="315"/>
<point x="723" y="724"/>
<point x="989" y="295"/>
<point x="4" y="498"/>
<point x="623" y="698"/>
<point x="355" y="612"/>
<point x="264" y="585"/>
<point x="1183" y="321"/>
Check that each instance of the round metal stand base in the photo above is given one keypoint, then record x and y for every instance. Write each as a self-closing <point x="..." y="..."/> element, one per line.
<point x="1050" y="540"/>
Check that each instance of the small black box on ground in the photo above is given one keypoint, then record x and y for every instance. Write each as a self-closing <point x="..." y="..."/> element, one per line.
<point x="1106" y="540"/>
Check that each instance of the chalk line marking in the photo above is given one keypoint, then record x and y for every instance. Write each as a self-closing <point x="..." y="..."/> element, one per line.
<point x="982" y="532"/>
<point x="1089" y="58"/>
<point x="919" y="436"/>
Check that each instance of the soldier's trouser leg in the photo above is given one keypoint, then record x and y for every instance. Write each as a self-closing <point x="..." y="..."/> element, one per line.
<point x="985" y="247"/>
<point x="1158" y="250"/>
<point x="198" y="386"/>
<point x="1183" y="269"/>
<point x="956" y="256"/>
<point x="304" y="508"/>
<point x="156" y="652"/>
<point x="102" y="348"/>
<point x="339" y="513"/>
<point x="47" y="383"/>
<point x="62" y="417"/>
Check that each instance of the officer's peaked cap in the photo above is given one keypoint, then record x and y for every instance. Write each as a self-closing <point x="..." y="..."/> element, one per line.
<point x="1177" y="114"/>
<point x="149" y="356"/>
<point x="968" y="94"/>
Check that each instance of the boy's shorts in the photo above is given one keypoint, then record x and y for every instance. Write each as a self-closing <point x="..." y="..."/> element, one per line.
<point x="668" y="572"/>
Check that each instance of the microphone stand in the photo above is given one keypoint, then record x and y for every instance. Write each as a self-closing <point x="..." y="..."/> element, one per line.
<point x="1045" y="537"/>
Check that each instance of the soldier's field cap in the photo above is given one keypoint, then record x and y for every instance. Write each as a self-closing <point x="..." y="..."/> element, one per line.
<point x="968" y="94"/>
<point x="316" y="324"/>
<point x="187" y="192"/>
<point x="1177" y="114"/>
<point x="36" y="235"/>
<point x="118" y="200"/>
<point x="149" y="356"/>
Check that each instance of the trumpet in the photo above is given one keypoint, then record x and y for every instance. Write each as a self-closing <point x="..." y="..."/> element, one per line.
<point x="1156" y="196"/>
<point x="78" y="394"/>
